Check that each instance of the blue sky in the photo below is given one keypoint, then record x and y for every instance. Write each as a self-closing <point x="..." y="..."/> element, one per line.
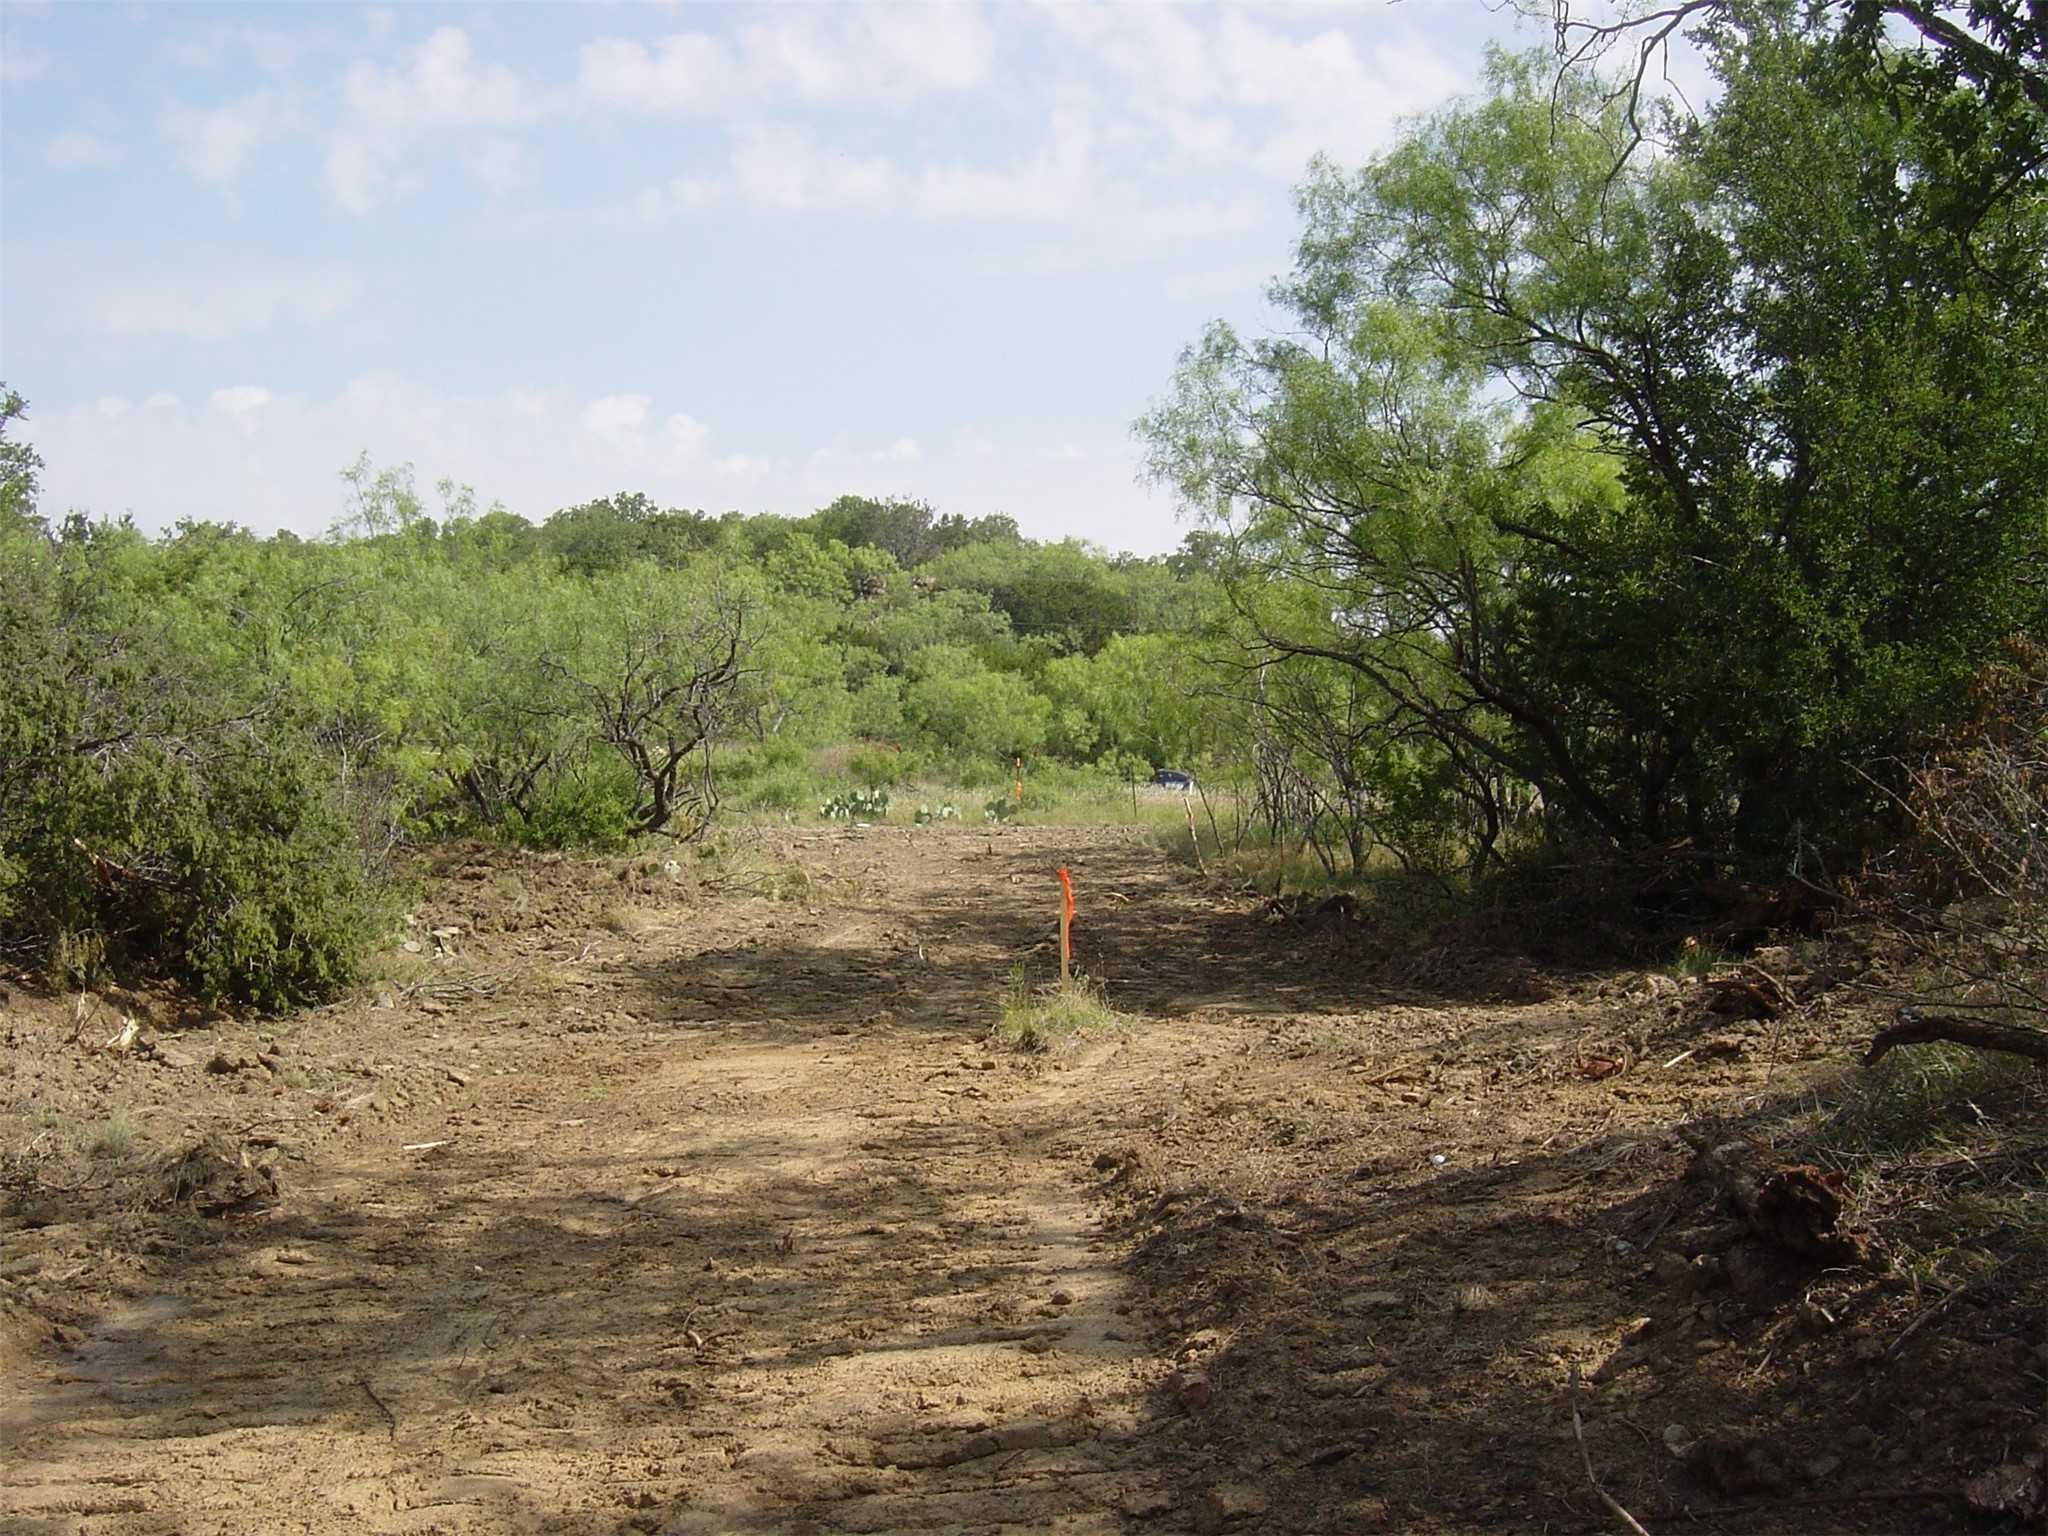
<point x="734" y="256"/>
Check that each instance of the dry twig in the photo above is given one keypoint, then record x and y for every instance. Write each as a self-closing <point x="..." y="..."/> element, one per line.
<point x="1916" y="1028"/>
<point x="1629" y="1521"/>
<point x="371" y="1392"/>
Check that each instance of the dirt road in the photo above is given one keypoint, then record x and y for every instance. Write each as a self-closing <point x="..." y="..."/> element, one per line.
<point x="644" y="1208"/>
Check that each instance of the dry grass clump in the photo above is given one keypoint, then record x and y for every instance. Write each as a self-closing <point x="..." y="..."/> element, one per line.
<point x="1041" y="1019"/>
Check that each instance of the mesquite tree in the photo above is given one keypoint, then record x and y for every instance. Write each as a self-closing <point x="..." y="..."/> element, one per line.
<point x="658" y="677"/>
<point x="1675" y="488"/>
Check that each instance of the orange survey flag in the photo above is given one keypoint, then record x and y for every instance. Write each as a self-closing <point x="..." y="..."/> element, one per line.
<point x="1066" y="923"/>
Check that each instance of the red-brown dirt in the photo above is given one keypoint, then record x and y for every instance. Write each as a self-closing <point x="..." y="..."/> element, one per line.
<point x="635" y="1204"/>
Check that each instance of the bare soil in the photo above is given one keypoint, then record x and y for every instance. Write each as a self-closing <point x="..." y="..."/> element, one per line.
<point x="635" y="1201"/>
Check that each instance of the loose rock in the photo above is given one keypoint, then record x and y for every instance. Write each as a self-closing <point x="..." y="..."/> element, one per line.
<point x="1232" y="1504"/>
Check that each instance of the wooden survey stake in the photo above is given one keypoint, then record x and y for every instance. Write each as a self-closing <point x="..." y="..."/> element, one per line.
<point x="1066" y="924"/>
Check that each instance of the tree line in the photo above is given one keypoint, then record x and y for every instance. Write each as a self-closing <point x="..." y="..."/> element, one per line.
<point x="1626" y="479"/>
<point x="218" y="742"/>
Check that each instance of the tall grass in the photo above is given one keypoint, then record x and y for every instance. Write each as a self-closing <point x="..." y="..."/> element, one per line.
<point x="1046" y="1019"/>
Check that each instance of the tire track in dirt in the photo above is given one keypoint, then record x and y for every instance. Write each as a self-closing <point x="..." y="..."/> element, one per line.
<point x="818" y="1259"/>
<point x="721" y="1214"/>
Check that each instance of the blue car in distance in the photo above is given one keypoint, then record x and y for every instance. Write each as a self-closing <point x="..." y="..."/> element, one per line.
<point x="1173" y="778"/>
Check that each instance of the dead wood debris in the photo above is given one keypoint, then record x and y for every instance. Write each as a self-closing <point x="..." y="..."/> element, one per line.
<point x="215" y="1177"/>
<point x="482" y="984"/>
<point x="1797" y="1208"/>
<point x="1912" y="1027"/>
<point x="1749" y="992"/>
<point x="1628" y="1521"/>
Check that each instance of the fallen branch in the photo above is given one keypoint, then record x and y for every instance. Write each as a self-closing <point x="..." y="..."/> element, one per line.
<point x="1927" y="1315"/>
<point x="371" y="1392"/>
<point x="481" y="984"/>
<point x="1629" y="1521"/>
<point x="1917" y="1028"/>
<point x="1695" y="1512"/>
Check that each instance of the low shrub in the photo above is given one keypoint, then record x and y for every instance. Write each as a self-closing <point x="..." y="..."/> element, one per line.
<point x="238" y="874"/>
<point x="1040" y="1019"/>
<point x="587" y="806"/>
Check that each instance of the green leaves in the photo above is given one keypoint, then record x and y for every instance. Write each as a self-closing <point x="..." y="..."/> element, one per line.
<point x="213" y="743"/>
<point x="20" y="468"/>
<point x="1672" y="486"/>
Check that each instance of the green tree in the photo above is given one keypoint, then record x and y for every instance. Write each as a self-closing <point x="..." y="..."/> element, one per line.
<point x="1676" y="487"/>
<point x="20" y="466"/>
<point x="964" y="710"/>
<point x="658" y="671"/>
<point x="901" y="528"/>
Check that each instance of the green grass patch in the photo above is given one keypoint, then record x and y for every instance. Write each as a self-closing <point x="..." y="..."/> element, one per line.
<point x="1697" y="959"/>
<point x="1048" y="1018"/>
<point x="111" y="1139"/>
<point x="1942" y="1145"/>
<point x="1924" y="1097"/>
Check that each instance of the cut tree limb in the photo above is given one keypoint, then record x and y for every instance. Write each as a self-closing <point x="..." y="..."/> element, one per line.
<point x="1916" y="1028"/>
<point x="1628" y="1521"/>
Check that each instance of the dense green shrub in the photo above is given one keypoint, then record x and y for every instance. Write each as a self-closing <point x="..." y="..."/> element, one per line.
<point x="270" y="902"/>
<point x="164" y="812"/>
<point x="877" y="768"/>
<point x="588" y="804"/>
<point x="237" y="873"/>
<point x="775" y="776"/>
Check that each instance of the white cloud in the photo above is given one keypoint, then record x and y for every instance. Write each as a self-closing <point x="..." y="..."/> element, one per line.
<point x="883" y="54"/>
<point x="446" y="85"/>
<point x="356" y="174"/>
<point x="215" y="143"/>
<point x="679" y="195"/>
<point x="1247" y="88"/>
<point x="269" y="460"/>
<point x="500" y="164"/>
<point x="1324" y="93"/>
<point x="687" y="72"/>
<point x="783" y="168"/>
<point x="1154" y="47"/>
<point x="744" y="466"/>
<point x="78" y="149"/>
<point x="616" y="419"/>
<point x="1055" y="183"/>
<point x="686" y="435"/>
<point x="112" y="407"/>
<point x="211" y="303"/>
<point x="441" y="86"/>
<point x="795" y="55"/>
<point x="242" y="405"/>
<point x="915" y="49"/>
